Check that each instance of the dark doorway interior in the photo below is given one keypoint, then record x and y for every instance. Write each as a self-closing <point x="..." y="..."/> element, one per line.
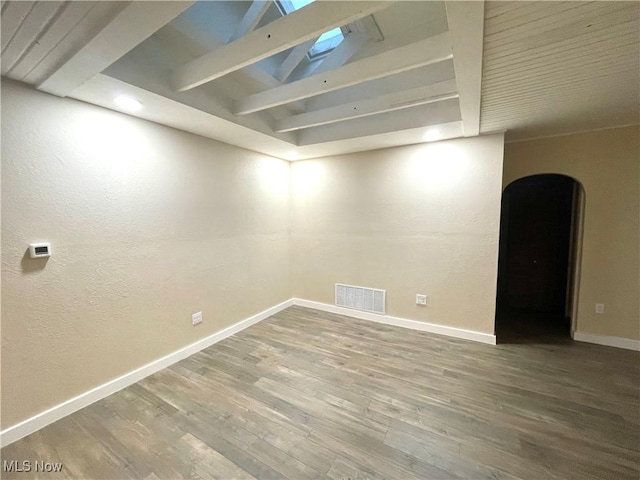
<point x="538" y="216"/>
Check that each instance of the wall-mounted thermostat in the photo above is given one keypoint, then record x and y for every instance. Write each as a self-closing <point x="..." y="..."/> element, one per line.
<point x="40" y="250"/>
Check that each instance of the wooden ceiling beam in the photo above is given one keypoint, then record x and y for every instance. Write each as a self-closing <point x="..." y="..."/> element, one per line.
<point x="466" y="27"/>
<point x="342" y="53"/>
<point x="432" y="50"/>
<point x="280" y="35"/>
<point x="387" y="103"/>
<point x="251" y="19"/>
<point x="294" y="59"/>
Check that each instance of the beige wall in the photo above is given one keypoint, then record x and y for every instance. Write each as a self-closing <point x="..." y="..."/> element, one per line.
<point x="606" y="164"/>
<point x="416" y="219"/>
<point x="148" y="225"/>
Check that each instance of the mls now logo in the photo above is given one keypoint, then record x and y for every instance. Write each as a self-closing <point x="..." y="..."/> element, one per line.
<point x="27" y="466"/>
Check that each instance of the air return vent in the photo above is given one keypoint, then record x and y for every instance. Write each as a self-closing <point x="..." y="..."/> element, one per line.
<point x="360" y="298"/>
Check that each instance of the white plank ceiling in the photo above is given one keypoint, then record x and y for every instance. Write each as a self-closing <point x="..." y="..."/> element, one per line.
<point x="37" y="37"/>
<point x="558" y="67"/>
<point x="237" y="71"/>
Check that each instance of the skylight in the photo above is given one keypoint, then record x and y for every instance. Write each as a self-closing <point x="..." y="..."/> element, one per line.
<point x="327" y="41"/>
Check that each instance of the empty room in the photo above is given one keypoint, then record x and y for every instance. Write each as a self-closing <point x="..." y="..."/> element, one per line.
<point x="328" y="239"/>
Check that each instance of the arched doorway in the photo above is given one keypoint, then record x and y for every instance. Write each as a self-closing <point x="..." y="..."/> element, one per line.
<point x="537" y="266"/>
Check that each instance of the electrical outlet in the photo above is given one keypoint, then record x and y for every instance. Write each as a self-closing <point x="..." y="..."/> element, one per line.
<point x="196" y="318"/>
<point x="599" y="307"/>
<point x="421" y="299"/>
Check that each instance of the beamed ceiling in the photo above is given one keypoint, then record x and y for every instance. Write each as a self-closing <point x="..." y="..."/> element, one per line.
<point x="405" y="72"/>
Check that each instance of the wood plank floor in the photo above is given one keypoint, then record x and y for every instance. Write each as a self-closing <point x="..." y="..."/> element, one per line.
<point x="307" y="394"/>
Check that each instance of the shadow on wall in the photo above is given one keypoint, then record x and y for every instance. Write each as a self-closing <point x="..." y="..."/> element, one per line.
<point x="31" y="265"/>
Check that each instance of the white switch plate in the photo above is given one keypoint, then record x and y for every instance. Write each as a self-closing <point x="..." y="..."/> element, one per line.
<point x="196" y="318"/>
<point x="599" y="307"/>
<point x="421" y="299"/>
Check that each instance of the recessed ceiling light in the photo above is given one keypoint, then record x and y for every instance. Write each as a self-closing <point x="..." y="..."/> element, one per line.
<point x="431" y="135"/>
<point x="127" y="103"/>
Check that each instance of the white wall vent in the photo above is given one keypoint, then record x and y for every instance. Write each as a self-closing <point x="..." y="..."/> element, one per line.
<point x="360" y="298"/>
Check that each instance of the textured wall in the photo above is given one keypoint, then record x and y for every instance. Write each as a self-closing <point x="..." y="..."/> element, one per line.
<point x="147" y="224"/>
<point x="416" y="219"/>
<point x="606" y="163"/>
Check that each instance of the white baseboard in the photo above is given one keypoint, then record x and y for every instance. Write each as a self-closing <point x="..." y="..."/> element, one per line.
<point x="41" y="420"/>
<point x="618" y="342"/>
<point x="27" y="427"/>
<point x="400" y="322"/>
<point x="35" y="423"/>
